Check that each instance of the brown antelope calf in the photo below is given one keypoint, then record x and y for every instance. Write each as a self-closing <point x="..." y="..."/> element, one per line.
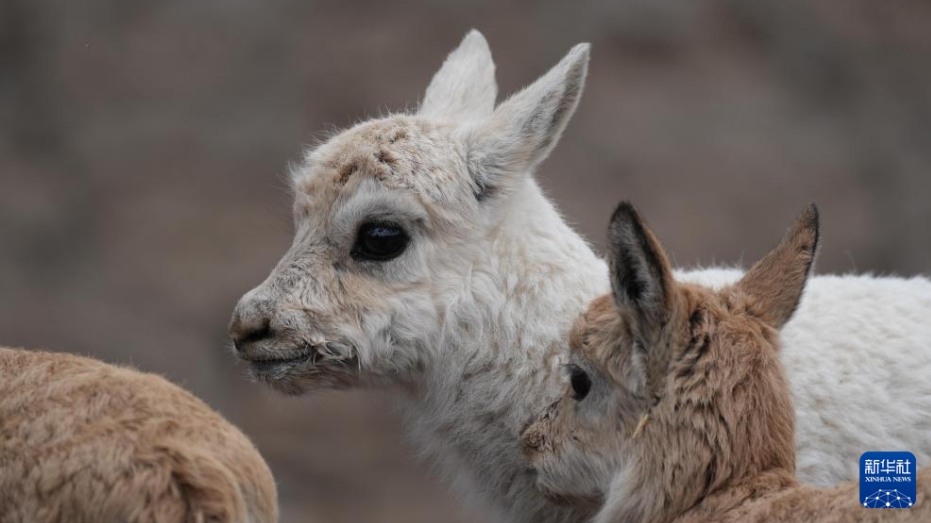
<point x="82" y="441"/>
<point x="678" y="408"/>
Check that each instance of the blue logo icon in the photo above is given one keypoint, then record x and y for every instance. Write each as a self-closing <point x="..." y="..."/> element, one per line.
<point x="887" y="479"/>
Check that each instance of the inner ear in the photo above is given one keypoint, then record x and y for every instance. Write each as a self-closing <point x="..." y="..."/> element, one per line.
<point x="641" y="277"/>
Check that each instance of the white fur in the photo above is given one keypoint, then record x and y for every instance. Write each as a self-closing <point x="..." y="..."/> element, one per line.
<point x="469" y="325"/>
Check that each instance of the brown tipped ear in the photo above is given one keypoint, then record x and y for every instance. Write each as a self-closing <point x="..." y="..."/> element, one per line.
<point x="776" y="282"/>
<point x="641" y="278"/>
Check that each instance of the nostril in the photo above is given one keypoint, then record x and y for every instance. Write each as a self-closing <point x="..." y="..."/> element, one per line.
<point x="248" y="330"/>
<point x="259" y="332"/>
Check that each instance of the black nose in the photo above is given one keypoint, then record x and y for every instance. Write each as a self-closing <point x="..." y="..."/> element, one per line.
<point x="249" y="325"/>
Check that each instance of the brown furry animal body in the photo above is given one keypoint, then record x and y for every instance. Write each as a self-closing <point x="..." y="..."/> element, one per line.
<point x="86" y="442"/>
<point x="678" y="408"/>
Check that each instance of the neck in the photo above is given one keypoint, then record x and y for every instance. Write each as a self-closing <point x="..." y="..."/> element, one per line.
<point x="497" y="363"/>
<point x="650" y="500"/>
<point x="730" y="504"/>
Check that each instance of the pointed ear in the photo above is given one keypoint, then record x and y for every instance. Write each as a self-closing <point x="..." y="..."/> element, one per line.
<point x="525" y="128"/>
<point x="464" y="87"/>
<point x="641" y="276"/>
<point x="776" y="282"/>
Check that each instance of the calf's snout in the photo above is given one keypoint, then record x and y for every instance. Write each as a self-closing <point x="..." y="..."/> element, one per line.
<point x="251" y="323"/>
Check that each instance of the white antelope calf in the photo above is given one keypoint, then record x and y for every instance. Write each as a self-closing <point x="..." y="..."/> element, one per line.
<point x="678" y="409"/>
<point x="427" y="260"/>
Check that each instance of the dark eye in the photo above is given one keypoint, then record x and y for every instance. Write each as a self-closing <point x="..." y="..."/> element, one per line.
<point x="380" y="241"/>
<point x="580" y="383"/>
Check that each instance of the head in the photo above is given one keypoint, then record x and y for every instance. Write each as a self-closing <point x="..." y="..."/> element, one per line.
<point x="673" y="390"/>
<point x="392" y="220"/>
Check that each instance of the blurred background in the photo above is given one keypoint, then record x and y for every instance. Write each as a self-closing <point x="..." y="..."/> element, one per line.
<point x="144" y="149"/>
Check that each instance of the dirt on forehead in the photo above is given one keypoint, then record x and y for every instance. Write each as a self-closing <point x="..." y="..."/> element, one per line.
<point x="402" y="152"/>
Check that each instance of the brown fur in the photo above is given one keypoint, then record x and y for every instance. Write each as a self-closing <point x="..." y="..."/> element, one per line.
<point x="695" y="422"/>
<point x="83" y="441"/>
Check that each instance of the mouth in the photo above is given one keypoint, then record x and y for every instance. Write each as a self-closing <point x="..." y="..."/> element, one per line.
<point x="277" y="366"/>
<point x="304" y="368"/>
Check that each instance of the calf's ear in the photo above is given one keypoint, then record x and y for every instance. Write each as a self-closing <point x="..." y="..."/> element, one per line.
<point x="465" y="86"/>
<point x="777" y="281"/>
<point x="641" y="276"/>
<point x="523" y="130"/>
